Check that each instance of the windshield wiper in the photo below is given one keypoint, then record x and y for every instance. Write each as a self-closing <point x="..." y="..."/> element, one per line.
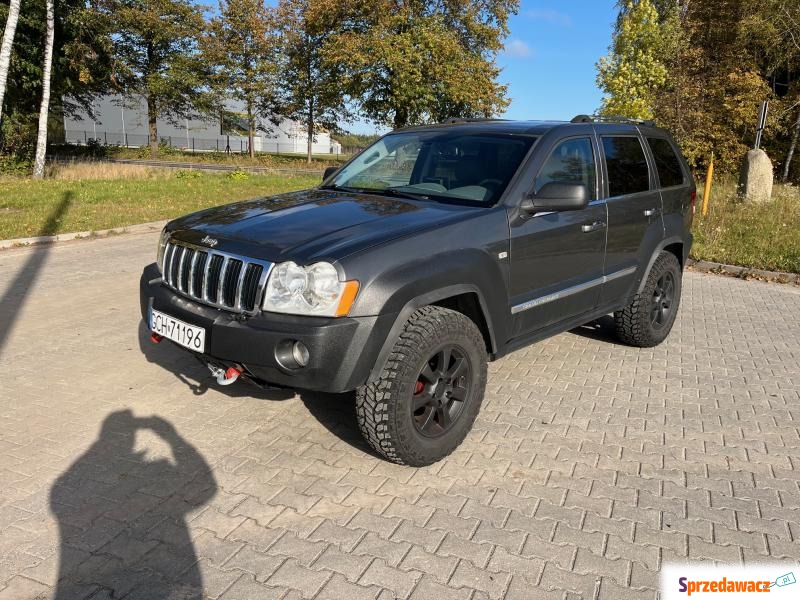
<point x="398" y="194"/>
<point x="395" y="193"/>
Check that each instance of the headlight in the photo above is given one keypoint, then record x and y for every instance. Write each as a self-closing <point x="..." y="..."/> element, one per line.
<point x="312" y="290"/>
<point x="162" y="245"/>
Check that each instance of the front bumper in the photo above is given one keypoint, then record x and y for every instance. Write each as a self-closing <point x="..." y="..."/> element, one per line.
<point x="342" y="351"/>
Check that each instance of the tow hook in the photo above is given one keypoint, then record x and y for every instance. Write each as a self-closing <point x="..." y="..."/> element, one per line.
<point x="225" y="376"/>
<point x="155" y="338"/>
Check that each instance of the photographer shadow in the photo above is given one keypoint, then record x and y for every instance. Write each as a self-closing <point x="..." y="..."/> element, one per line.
<point x="122" y="517"/>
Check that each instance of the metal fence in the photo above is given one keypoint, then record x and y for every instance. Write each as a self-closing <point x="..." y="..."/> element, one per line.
<point x="224" y="144"/>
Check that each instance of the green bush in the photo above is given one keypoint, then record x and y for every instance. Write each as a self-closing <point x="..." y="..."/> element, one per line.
<point x="239" y="175"/>
<point x="187" y="174"/>
<point x="11" y="164"/>
<point x="18" y="133"/>
<point x="95" y="148"/>
<point x="164" y="150"/>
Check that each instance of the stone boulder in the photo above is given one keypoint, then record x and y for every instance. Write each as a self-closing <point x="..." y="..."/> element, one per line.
<point x="755" y="180"/>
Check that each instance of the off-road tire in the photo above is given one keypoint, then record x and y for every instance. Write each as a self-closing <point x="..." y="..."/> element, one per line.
<point x="384" y="407"/>
<point x="633" y="323"/>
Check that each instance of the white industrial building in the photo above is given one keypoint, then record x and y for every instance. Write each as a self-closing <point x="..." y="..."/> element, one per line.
<point x="123" y="122"/>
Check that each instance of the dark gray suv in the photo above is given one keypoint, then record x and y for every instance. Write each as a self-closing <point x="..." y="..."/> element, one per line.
<point x="434" y="250"/>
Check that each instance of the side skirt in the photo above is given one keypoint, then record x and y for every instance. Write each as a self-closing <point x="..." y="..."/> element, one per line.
<point x="554" y="329"/>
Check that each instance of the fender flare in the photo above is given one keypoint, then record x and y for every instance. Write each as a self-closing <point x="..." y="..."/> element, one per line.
<point x="424" y="300"/>
<point x="663" y="244"/>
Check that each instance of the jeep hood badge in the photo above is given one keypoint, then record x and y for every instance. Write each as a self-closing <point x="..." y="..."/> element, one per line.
<point x="209" y="241"/>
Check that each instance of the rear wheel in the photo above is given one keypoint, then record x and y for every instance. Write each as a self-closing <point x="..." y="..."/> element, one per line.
<point x="648" y="319"/>
<point x="429" y="392"/>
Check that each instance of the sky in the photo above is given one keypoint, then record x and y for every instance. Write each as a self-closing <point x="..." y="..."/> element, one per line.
<point x="549" y="59"/>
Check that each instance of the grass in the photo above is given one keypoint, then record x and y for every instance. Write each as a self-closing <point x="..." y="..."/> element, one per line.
<point x="262" y="159"/>
<point x="115" y="197"/>
<point x="760" y="236"/>
<point x="92" y="171"/>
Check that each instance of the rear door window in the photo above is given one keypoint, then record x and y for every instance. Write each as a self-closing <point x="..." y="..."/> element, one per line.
<point x="668" y="166"/>
<point x="627" y="166"/>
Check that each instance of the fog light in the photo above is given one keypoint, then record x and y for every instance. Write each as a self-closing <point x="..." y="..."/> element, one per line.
<point x="291" y="354"/>
<point x="300" y="353"/>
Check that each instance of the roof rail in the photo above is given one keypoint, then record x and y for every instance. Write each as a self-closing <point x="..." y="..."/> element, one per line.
<point x="456" y="120"/>
<point x="611" y="119"/>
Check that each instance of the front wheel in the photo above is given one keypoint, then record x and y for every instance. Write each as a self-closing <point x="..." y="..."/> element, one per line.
<point x="430" y="390"/>
<point x="648" y="319"/>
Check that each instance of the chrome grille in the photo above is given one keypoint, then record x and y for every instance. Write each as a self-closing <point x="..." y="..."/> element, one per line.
<point x="215" y="278"/>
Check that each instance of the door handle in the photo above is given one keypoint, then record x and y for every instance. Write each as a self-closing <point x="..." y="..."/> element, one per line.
<point x="593" y="227"/>
<point x="650" y="212"/>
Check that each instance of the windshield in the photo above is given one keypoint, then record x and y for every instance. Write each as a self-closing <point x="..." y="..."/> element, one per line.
<point x="439" y="165"/>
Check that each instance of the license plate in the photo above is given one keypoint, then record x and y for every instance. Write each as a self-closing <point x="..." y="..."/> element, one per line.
<point x="184" y="334"/>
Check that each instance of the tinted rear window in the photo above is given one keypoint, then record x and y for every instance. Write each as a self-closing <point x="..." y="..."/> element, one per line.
<point x="627" y="166"/>
<point x="667" y="163"/>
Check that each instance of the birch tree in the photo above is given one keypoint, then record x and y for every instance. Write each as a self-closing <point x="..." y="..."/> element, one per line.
<point x="5" y="48"/>
<point x="44" y="109"/>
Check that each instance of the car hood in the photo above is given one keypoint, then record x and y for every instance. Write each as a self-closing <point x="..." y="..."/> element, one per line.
<point x="311" y="225"/>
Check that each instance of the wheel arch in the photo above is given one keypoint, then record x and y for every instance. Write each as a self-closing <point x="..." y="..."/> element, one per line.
<point x="675" y="245"/>
<point x="466" y="299"/>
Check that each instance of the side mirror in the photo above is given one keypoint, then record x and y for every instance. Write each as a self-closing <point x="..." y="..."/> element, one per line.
<point x="557" y="196"/>
<point x="329" y="172"/>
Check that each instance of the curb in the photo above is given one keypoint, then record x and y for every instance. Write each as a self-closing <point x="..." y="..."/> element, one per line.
<point x="80" y="235"/>
<point x="705" y="266"/>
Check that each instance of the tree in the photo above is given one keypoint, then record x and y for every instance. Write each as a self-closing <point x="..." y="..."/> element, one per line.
<point x="240" y="49"/>
<point x="718" y="67"/>
<point x="156" y="57"/>
<point x="311" y="86"/>
<point x="5" y="48"/>
<point x="81" y="63"/>
<point x="44" y="110"/>
<point x="786" y="22"/>
<point x="411" y="61"/>
<point x="632" y="74"/>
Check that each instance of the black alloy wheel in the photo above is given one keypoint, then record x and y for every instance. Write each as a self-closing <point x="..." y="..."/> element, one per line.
<point x="650" y="314"/>
<point x="440" y="391"/>
<point x="663" y="298"/>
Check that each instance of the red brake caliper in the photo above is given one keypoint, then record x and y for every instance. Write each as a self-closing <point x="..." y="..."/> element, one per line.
<point x="418" y="387"/>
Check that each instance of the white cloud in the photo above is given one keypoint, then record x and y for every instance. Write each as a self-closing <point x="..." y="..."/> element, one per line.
<point x="518" y="49"/>
<point x="550" y="16"/>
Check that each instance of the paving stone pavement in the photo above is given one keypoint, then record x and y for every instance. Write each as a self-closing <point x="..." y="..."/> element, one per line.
<point x="125" y="474"/>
